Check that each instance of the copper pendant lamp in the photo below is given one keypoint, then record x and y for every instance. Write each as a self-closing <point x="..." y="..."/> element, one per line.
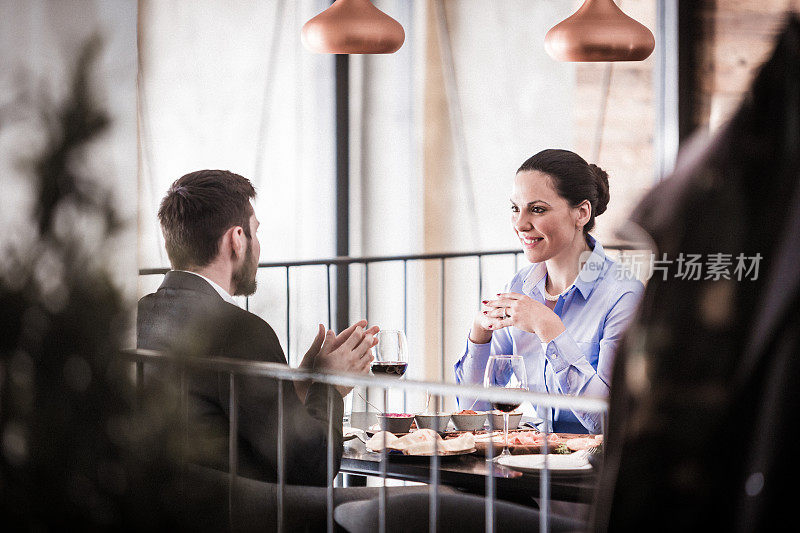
<point x="599" y="31"/>
<point x="353" y="27"/>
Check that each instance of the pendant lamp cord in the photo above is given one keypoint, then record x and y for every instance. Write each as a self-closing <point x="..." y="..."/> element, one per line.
<point x="599" y="129"/>
<point x="601" y="115"/>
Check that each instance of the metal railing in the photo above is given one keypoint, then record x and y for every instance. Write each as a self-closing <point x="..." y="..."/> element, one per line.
<point x="235" y="368"/>
<point x="341" y="309"/>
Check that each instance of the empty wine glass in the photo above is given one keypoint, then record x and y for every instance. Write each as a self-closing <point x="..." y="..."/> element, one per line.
<point x="391" y="358"/>
<point x="507" y="371"/>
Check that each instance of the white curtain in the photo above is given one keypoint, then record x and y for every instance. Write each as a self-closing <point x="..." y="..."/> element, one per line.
<point x="228" y="85"/>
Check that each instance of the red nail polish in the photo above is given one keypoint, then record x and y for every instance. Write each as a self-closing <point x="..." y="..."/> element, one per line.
<point x="484" y="301"/>
<point x="486" y="312"/>
<point x="490" y="327"/>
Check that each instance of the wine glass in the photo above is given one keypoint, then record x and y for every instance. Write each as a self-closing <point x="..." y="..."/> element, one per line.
<point x="391" y="357"/>
<point x="507" y="371"/>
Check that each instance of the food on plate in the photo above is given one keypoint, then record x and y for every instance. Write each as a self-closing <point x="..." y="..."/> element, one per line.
<point x="561" y="449"/>
<point x="422" y="442"/>
<point x="376" y="442"/>
<point x="467" y="412"/>
<point x="531" y="438"/>
<point x="514" y="437"/>
<point x="584" y="443"/>
<point x="398" y="415"/>
<point x="532" y="441"/>
<point x="522" y="438"/>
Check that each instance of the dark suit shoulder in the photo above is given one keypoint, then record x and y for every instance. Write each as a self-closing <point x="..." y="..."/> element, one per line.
<point x="199" y="322"/>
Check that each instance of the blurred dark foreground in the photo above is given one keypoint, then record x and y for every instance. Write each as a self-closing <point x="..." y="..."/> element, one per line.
<point x="76" y="447"/>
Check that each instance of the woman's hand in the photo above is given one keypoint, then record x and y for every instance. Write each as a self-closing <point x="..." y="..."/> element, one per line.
<point x="512" y="309"/>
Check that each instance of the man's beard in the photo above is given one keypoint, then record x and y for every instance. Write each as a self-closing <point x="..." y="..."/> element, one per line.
<point x="244" y="278"/>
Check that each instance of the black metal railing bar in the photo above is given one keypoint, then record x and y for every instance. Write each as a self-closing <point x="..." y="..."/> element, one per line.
<point x="386" y="258"/>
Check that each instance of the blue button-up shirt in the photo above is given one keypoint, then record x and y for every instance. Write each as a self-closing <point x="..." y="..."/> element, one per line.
<point x="595" y="311"/>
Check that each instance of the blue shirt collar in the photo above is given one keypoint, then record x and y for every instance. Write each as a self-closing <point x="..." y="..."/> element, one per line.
<point x="593" y="269"/>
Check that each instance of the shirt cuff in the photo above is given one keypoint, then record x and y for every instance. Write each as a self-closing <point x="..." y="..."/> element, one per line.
<point x="562" y="352"/>
<point x="478" y="350"/>
<point x="473" y="364"/>
<point x="479" y="353"/>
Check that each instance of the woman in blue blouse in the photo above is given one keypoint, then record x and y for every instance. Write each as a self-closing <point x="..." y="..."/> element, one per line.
<point x="567" y="310"/>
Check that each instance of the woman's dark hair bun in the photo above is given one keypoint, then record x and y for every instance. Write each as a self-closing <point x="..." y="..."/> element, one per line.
<point x="603" y="194"/>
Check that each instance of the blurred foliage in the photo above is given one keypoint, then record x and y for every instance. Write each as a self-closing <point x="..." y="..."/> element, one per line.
<point x="77" y="447"/>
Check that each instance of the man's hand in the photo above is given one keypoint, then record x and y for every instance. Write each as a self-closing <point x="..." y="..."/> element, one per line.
<point x="349" y="351"/>
<point x="301" y="387"/>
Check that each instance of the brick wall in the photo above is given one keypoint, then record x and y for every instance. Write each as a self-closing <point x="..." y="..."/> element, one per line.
<point x="740" y="37"/>
<point x="625" y="147"/>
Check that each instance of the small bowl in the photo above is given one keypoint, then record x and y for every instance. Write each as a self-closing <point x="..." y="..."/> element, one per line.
<point x="395" y="423"/>
<point x="496" y="420"/>
<point x="469" y="422"/>
<point x="435" y="422"/>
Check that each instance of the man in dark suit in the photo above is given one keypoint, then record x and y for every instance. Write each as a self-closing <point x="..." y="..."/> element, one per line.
<point x="209" y="228"/>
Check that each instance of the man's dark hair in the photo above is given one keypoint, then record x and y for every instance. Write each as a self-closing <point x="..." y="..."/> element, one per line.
<point x="198" y="209"/>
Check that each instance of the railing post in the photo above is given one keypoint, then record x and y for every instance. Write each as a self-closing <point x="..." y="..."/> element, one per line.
<point x="329" y="493"/>
<point x="281" y="456"/>
<point x="490" y="487"/>
<point x="233" y="447"/>
<point x="328" y="283"/>
<point x="288" y="329"/>
<point x="544" y="479"/>
<point x="384" y="460"/>
<point x="366" y="291"/>
<point x="490" y="484"/>
<point x="442" y="304"/>
<point x="433" y="515"/>
<point x="480" y="280"/>
<point x="366" y="317"/>
<point x="405" y="321"/>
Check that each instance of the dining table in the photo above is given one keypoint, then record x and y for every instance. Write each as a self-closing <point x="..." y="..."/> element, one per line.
<point x="467" y="472"/>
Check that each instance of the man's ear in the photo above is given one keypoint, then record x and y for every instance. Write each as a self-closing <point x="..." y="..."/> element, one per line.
<point x="238" y="241"/>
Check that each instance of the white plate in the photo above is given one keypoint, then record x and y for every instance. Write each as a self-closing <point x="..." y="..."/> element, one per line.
<point x="573" y="463"/>
<point x="351" y="433"/>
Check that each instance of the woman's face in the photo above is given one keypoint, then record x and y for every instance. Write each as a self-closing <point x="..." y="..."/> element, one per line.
<point x="544" y="222"/>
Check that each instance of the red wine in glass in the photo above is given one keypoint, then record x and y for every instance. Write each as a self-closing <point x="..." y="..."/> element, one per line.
<point x="507" y="407"/>
<point x="508" y="372"/>
<point x="389" y="368"/>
